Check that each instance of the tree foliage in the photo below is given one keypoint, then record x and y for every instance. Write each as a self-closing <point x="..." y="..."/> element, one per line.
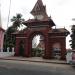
<point x="72" y="37"/>
<point x="9" y="40"/>
<point x="17" y="21"/>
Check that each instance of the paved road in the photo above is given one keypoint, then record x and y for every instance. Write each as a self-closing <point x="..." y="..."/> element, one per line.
<point x="9" y="67"/>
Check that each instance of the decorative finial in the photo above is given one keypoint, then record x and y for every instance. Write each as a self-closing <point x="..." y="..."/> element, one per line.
<point x="50" y="17"/>
<point x="55" y="27"/>
<point x="73" y="19"/>
<point x="64" y="27"/>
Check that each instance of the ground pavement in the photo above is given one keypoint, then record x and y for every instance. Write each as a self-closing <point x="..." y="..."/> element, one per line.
<point x="35" y="59"/>
<point x="12" y="67"/>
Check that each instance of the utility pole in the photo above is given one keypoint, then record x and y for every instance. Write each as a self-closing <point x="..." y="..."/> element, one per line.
<point x="7" y="24"/>
<point x="9" y="13"/>
<point x="0" y="15"/>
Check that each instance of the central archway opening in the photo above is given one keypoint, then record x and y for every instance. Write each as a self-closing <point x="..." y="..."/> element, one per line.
<point x="38" y="46"/>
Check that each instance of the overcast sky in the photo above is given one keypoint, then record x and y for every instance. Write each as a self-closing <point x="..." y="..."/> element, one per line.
<point x="62" y="11"/>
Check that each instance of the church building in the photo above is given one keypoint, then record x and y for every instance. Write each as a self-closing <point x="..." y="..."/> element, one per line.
<point x="54" y="39"/>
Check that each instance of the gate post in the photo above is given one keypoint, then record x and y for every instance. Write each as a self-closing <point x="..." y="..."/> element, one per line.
<point x="17" y="47"/>
<point x="47" y="53"/>
<point x="63" y="49"/>
<point x="26" y="54"/>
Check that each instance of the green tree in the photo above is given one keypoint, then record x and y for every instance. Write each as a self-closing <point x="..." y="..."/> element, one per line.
<point x="17" y="21"/>
<point x="72" y="37"/>
<point x="9" y="40"/>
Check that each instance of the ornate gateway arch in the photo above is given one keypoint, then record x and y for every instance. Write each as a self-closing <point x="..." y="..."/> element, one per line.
<point x="41" y="25"/>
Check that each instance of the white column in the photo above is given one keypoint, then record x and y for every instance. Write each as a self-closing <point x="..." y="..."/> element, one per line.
<point x="8" y="49"/>
<point x="12" y="49"/>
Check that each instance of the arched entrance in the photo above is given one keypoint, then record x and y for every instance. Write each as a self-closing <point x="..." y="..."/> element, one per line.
<point x="21" y="48"/>
<point x="37" y="45"/>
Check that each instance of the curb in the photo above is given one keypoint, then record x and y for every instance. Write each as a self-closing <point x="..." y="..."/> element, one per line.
<point x="35" y="61"/>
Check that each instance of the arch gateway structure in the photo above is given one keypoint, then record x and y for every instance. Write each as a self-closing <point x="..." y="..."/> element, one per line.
<point x="41" y="24"/>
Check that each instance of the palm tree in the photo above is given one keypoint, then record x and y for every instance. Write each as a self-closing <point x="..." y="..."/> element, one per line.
<point x="17" y="20"/>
